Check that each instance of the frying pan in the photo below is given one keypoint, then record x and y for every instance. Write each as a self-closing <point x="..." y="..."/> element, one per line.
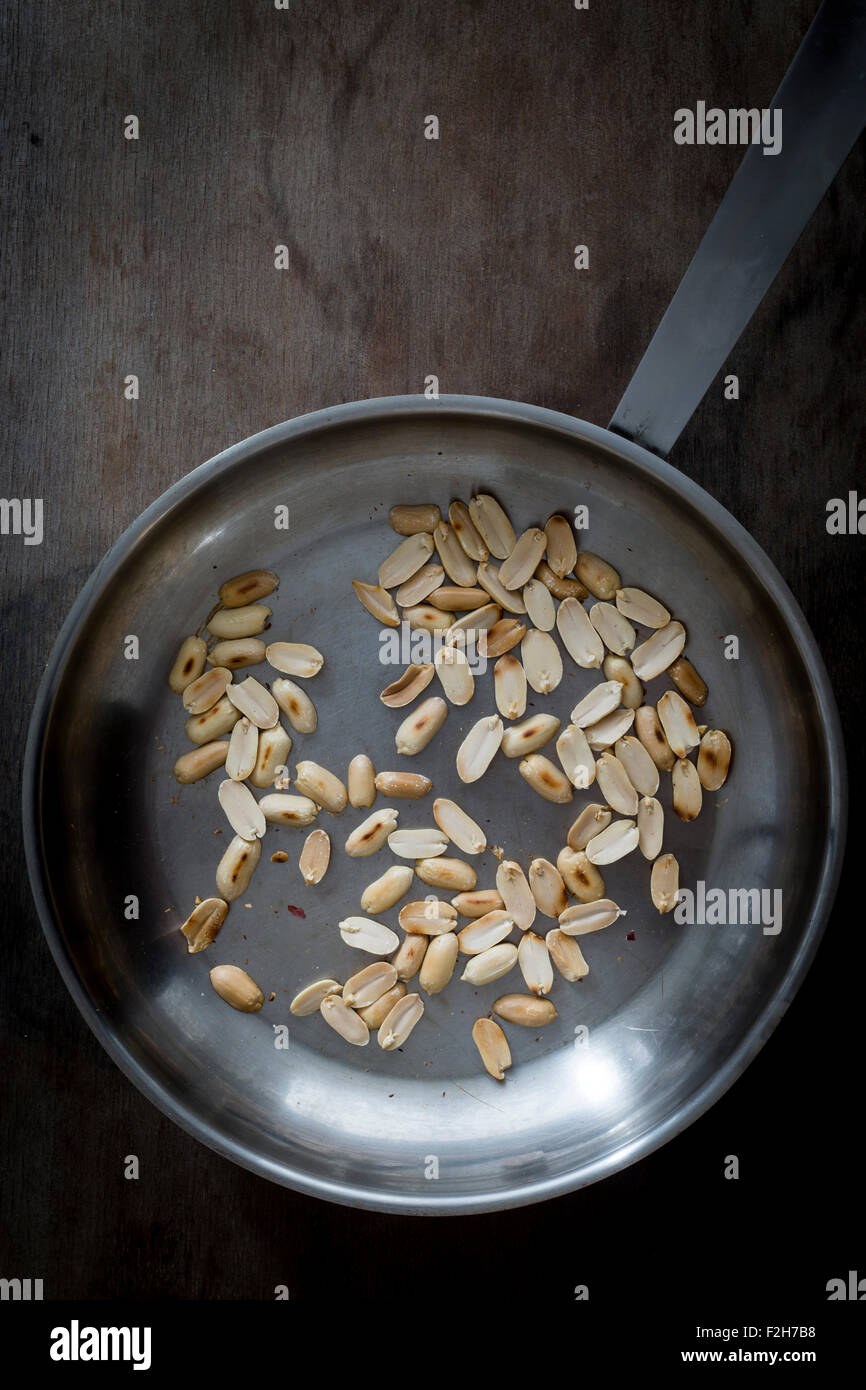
<point x="667" y="1019"/>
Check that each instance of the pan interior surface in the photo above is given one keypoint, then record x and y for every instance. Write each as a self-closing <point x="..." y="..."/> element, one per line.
<point x="669" y="1013"/>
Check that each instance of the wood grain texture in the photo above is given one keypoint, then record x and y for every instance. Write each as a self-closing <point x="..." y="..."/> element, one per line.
<point x="407" y="257"/>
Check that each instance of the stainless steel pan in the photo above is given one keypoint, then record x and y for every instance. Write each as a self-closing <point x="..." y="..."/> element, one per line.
<point x="674" y="1015"/>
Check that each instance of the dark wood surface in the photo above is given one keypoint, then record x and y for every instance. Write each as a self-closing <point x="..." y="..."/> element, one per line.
<point x="408" y="257"/>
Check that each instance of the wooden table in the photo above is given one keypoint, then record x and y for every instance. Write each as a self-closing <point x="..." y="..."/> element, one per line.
<point x="407" y="257"/>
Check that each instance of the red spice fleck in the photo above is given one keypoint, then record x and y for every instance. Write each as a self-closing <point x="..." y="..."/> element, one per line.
<point x="296" y="911"/>
<point x="629" y="936"/>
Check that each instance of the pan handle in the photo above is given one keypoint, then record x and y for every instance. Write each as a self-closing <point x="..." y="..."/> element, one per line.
<point x="822" y="99"/>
